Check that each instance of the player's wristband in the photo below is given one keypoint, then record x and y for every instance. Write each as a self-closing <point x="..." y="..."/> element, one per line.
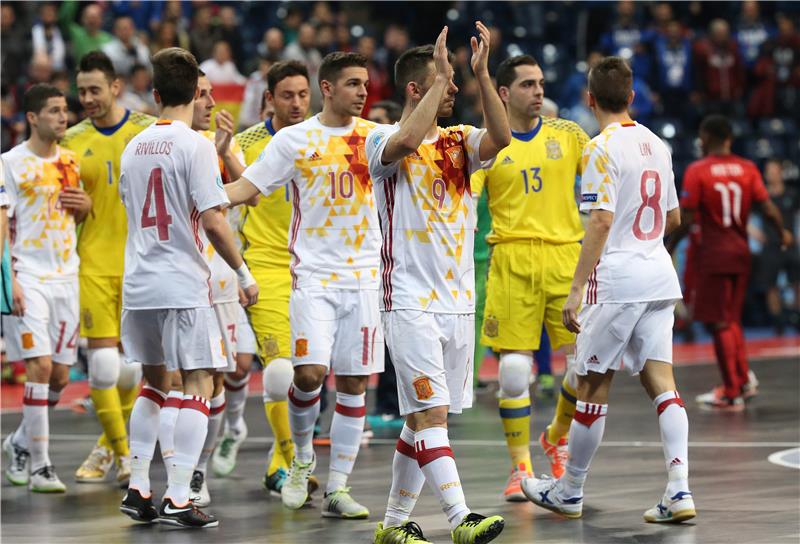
<point x="246" y="279"/>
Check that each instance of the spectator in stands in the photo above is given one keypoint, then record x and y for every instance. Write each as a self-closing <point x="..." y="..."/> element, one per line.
<point x="574" y="88"/>
<point x="63" y="82"/>
<point x="625" y="39"/>
<point x="88" y="35"/>
<point x="720" y="71"/>
<point x="379" y="86"/>
<point x="146" y="16"/>
<point x="673" y="54"/>
<point x="271" y="47"/>
<point x="326" y="38"/>
<point x="40" y="70"/>
<point x="14" y="49"/>
<point x="305" y="50"/>
<point x="46" y="36"/>
<point x="776" y="74"/>
<point x="752" y="32"/>
<point x="126" y="49"/>
<point x="395" y="42"/>
<point x="220" y="68"/>
<point x="203" y="35"/>
<point x="321" y="13"/>
<point x="252" y="104"/>
<point x="291" y="23"/>
<point x="141" y="85"/>
<point x="228" y="30"/>
<point x="174" y="11"/>
<point x="167" y="35"/>
<point x="343" y="38"/>
<point x="773" y="260"/>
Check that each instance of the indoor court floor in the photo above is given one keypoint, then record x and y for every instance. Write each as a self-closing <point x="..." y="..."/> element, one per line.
<point x="740" y="495"/>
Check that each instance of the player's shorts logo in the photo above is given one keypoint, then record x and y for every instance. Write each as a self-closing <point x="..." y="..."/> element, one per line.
<point x="553" y="148"/>
<point x="270" y="346"/>
<point x="491" y="326"/>
<point x="422" y="387"/>
<point x="86" y="317"/>
<point x="456" y="156"/>
<point x="593" y="360"/>
<point x="301" y="347"/>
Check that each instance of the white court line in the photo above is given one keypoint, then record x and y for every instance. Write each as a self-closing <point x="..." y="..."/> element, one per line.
<point x="498" y="443"/>
<point x="777" y="458"/>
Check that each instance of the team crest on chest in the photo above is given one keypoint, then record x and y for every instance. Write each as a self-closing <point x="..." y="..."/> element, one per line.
<point x="456" y="156"/>
<point x="553" y="148"/>
<point x="422" y="387"/>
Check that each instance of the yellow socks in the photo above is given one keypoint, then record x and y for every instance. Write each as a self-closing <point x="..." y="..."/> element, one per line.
<point x="109" y="412"/>
<point x="516" y="417"/>
<point x="278" y="417"/>
<point x="565" y="410"/>
<point x="126" y="399"/>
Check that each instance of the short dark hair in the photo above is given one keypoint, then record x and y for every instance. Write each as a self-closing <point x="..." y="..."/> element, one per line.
<point x="507" y="71"/>
<point x="333" y="64"/>
<point x="36" y="97"/>
<point x="393" y="110"/>
<point x="281" y="70"/>
<point x="718" y="128"/>
<point x="138" y="68"/>
<point x="97" y="60"/>
<point x="413" y="65"/>
<point x="175" y="74"/>
<point x="611" y="83"/>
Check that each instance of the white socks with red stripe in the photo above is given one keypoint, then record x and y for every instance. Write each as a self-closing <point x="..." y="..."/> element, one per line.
<point x="214" y="425"/>
<point x="585" y="435"/>
<point x="436" y="460"/>
<point x="674" y="427"/>
<point x="346" y="430"/>
<point x="236" y="397"/>
<point x="407" y="481"/>
<point x="190" y="435"/>
<point x="37" y="424"/>
<point x="166" y="425"/>
<point x="303" y="414"/>
<point x="143" y="436"/>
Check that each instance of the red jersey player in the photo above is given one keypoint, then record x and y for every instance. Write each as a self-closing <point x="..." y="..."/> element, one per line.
<point x="717" y="195"/>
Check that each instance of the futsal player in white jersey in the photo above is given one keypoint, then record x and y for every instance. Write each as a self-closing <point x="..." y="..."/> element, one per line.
<point x="334" y="240"/>
<point x="422" y="178"/>
<point x="45" y="202"/>
<point x="170" y="185"/>
<point x="629" y="290"/>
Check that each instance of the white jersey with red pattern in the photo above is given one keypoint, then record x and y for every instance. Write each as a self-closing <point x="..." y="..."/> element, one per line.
<point x="428" y="220"/>
<point x="334" y="237"/>
<point x="627" y="170"/>
<point x="169" y="176"/>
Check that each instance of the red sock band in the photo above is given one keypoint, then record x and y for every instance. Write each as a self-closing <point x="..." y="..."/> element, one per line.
<point x="427" y="455"/>
<point x="406" y="449"/>
<point x="663" y="405"/>
<point x="196" y="403"/>
<point x="351" y="411"/>
<point x="301" y="403"/>
<point x="217" y="409"/>
<point x="587" y="413"/>
<point x="172" y="402"/>
<point x="152" y="394"/>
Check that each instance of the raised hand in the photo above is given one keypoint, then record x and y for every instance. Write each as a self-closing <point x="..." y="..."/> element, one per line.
<point x="224" y="133"/>
<point x="480" y="50"/>
<point x="441" y="61"/>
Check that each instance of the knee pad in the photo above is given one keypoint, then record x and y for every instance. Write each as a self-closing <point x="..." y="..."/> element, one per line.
<point x="277" y="378"/>
<point x="130" y="375"/>
<point x="515" y="374"/>
<point x="104" y="366"/>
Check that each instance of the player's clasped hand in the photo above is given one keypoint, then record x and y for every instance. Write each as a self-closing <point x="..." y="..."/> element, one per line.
<point x="76" y="200"/>
<point x="570" y="312"/>
<point x="248" y="296"/>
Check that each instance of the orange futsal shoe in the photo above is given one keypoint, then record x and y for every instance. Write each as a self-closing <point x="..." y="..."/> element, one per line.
<point x="557" y="454"/>
<point x="513" y="491"/>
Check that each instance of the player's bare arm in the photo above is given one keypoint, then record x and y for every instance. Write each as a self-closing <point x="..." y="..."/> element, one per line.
<point x="221" y="237"/>
<point x="241" y="191"/>
<point x="773" y="215"/>
<point x="680" y="232"/>
<point x="77" y="201"/>
<point x="673" y="220"/>
<point x="419" y="122"/>
<point x="222" y="141"/>
<point x="593" y="243"/>
<point x="495" y="119"/>
<point x="17" y="296"/>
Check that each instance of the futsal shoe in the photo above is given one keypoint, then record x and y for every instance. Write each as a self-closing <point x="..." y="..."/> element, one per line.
<point x="750" y="389"/>
<point x="18" y="471"/>
<point x="294" y="492"/>
<point x="45" y="480"/>
<point x="557" y="454"/>
<point x="544" y="492"/>
<point x="123" y="470"/>
<point x="198" y="487"/>
<point x="224" y="459"/>
<point x="513" y="491"/>
<point x="339" y="504"/>
<point x="189" y="516"/>
<point x="274" y="482"/>
<point x="675" y="509"/>
<point x="716" y="401"/>
<point x="96" y="467"/>
<point x="407" y="533"/>
<point x="137" y="507"/>
<point x="477" y="529"/>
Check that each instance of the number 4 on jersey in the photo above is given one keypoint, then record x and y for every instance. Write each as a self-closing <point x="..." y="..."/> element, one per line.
<point x="162" y="219"/>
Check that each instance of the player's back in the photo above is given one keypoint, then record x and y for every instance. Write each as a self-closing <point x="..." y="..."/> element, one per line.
<point x="169" y="175"/>
<point x="628" y="170"/>
<point x="722" y="189"/>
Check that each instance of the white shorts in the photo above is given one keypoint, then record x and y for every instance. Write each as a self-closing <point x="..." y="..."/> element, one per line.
<point x="50" y="324"/>
<point x="337" y="328"/>
<point x="626" y="335"/>
<point x="180" y="338"/>
<point x="236" y="331"/>
<point x="432" y="356"/>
